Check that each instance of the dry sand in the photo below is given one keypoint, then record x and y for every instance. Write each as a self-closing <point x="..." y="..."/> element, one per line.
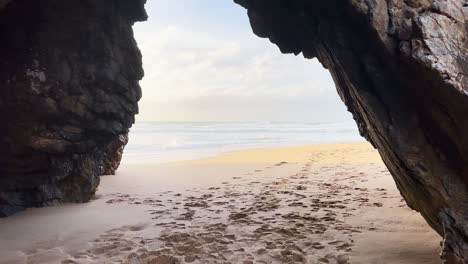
<point x="332" y="203"/>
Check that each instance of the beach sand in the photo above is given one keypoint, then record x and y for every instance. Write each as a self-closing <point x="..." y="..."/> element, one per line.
<point x="330" y="203"/>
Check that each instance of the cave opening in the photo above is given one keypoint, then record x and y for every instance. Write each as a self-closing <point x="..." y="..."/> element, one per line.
<point x="70" y="72"/>
<point x="231" y="89"/>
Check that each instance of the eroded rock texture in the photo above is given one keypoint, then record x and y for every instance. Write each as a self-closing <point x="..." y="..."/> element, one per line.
<point x="401" y="67"/>
<point x="69" y="74"/>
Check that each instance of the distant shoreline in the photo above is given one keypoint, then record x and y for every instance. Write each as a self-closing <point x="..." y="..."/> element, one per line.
<point x="175" y="141"/>
<point x="180" y="157"/>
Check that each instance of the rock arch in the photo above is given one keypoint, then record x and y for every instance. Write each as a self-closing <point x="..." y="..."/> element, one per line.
<point x="69" y="73"/>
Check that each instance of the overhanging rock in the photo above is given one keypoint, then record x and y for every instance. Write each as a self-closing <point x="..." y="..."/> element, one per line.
<point x="401" y="67"/>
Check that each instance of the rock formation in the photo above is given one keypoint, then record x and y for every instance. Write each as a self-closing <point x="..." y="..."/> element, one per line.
<point x="401" y="67"/>
<point x="69" y="74"/>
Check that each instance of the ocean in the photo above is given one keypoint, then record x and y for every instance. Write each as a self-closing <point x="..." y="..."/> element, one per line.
<point x="171" y="141"/>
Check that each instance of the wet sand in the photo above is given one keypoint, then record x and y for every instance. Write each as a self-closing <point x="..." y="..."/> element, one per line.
<point x="331" y="203"/>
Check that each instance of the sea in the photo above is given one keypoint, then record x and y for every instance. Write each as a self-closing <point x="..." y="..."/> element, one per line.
<point x="161" y="142"/>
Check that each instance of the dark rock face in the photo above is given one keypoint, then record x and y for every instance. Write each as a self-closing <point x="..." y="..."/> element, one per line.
<point x="69" y="74"/>
<point x="401" y="67"/>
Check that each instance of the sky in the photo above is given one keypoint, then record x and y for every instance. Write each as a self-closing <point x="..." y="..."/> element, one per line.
<point x="203" y="63"/>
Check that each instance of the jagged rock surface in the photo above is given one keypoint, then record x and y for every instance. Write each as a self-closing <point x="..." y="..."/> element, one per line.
<point x="69" y="74"/>
<point x="401" y="67"/>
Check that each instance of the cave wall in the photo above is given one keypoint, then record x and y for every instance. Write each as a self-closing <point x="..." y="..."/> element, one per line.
<point x="69" y="74"/>
<point x="401" y="67"/>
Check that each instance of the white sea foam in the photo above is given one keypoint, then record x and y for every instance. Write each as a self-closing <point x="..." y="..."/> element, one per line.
<point x="170" y="141"/>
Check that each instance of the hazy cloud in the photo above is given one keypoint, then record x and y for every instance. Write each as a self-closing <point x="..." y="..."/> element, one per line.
<point x="234" y="76"/>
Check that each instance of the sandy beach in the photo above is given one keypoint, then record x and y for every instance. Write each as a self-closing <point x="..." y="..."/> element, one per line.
<point x="328" y="203"/>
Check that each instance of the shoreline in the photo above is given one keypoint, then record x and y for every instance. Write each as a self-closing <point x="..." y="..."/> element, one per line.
<point x="322" y="203"/>
<point x="188" y="155"/>
<point x="296" y="153"/>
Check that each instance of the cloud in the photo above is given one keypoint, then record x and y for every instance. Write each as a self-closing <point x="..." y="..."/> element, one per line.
<point x="211" y="75"/>
<point x="184" y="63"/>
<point x="247" y="109"/>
